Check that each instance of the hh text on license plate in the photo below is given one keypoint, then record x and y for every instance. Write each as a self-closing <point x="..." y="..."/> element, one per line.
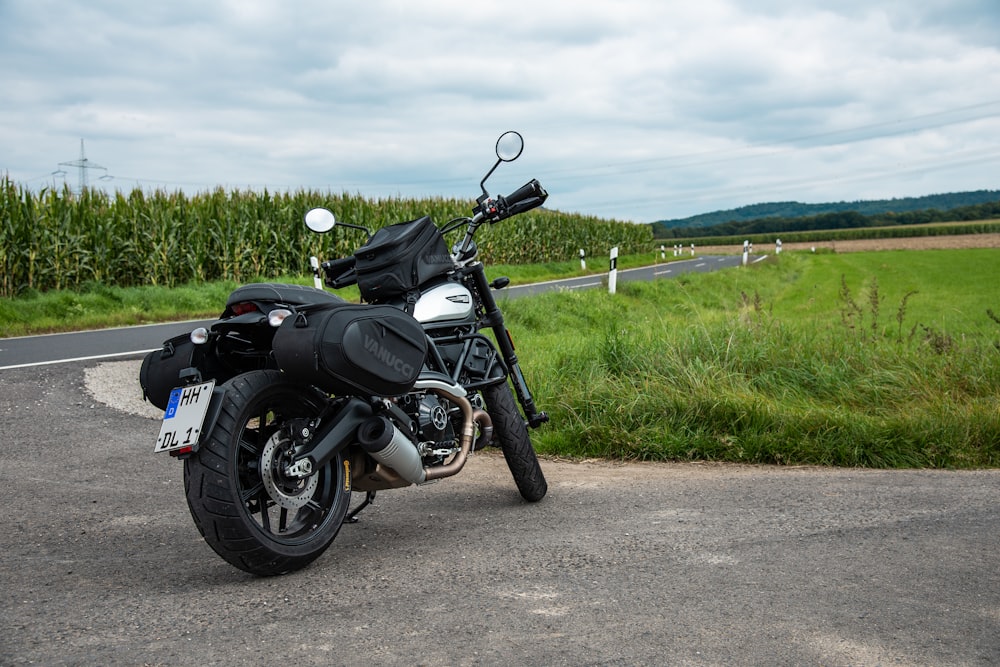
<point x="184" y="416"/>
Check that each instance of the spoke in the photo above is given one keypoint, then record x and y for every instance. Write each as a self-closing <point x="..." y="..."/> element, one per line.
<point x="265" y="518"/>
<point x="283" y="520"/>
<point x="248" y="494"/>
<point x="247" y="443"/>
<point x="314" y="506"/>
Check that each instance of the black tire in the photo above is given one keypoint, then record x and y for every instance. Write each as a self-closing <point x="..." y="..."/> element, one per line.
<point x="247" y="511"/>
<point x="510" y="429"/>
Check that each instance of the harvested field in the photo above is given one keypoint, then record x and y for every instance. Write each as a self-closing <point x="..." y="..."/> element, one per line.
<point x="941" y="242"/>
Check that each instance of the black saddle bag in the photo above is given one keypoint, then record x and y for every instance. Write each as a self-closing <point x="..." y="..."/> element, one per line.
<point x="352" y="349"/>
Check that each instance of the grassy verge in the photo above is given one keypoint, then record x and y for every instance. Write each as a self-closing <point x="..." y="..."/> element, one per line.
<point x="97" y="306"/>
<point x="882" y="360"/>
<point x="850" y="234"/>
<point x="888" y="359"/>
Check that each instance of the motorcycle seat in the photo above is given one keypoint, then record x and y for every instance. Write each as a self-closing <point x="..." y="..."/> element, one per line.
<point x="281" y="293"/>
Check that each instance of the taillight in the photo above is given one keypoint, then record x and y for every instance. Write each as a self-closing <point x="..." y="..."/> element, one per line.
<point x="243" y="308"/>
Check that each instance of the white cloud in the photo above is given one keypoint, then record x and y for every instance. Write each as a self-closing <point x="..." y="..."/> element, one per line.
<point x="641" y="109"/>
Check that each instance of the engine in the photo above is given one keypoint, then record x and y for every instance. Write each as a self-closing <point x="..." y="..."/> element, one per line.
<point x="432" y="420"/>
<point x="444" y="425"/>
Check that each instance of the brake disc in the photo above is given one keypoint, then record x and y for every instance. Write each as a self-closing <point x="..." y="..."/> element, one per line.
<point x="289" y="492"/>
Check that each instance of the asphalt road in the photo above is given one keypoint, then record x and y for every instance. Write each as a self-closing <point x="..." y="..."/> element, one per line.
<point x="127" y="341"/>
<point x="619" y="565"/>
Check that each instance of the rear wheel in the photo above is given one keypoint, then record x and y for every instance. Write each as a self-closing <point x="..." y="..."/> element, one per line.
<point x="247" y="508"/>
<point x="511" y="430"/>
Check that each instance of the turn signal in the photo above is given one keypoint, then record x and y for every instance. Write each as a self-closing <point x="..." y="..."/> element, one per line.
<point x="277" y="316"/>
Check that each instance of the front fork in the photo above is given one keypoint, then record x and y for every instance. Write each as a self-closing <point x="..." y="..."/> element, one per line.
<point x="493" y="318"/>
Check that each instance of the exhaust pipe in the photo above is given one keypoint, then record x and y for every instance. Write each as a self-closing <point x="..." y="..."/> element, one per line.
<point x="379" y="437"/>
<point x="389" y="446"/>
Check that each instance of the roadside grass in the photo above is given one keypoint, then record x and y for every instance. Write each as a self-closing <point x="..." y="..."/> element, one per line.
<point x="888" y="359"/>
<point x="861" y="360"/>
<point x="97" y="305"/>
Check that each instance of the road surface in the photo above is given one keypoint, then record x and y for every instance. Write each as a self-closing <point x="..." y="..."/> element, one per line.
<point x="621" y="564"/>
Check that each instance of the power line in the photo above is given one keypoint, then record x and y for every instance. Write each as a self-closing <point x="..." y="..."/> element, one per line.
<point x="84" y="165"/>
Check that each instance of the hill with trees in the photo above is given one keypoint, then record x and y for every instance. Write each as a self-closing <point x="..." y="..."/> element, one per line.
<point x="796" y="216"/>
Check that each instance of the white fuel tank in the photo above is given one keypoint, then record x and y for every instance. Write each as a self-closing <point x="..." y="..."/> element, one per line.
<point x="448" y="302"/>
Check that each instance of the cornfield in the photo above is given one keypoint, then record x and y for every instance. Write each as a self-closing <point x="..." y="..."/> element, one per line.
<point x="54" y="239"/>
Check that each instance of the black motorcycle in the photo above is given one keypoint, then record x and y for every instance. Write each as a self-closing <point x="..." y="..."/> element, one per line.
<point x="296" y="398"/>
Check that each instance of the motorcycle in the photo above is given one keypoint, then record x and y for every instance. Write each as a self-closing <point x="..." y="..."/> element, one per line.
<point x="295" y="399"/>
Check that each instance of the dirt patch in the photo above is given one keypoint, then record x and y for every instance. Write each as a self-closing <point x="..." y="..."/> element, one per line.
<point x="960" y="241"/>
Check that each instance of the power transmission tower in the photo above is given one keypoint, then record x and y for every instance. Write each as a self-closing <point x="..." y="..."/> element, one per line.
<point x="84" y="165"/>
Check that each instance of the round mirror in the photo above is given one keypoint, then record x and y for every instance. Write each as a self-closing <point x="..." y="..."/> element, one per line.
<point x="509" y="146"/>
<point x="320" y="220"/>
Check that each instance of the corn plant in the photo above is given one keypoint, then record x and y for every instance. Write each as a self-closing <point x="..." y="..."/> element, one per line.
<point x="54" y="239"/>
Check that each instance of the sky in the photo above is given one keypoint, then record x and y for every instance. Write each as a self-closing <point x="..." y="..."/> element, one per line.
<point x="636" y="110"/>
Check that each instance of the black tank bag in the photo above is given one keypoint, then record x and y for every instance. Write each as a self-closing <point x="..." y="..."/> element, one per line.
<point x="399" y="258"/>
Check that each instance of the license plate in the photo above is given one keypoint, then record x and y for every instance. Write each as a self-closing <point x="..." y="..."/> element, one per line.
<point x="184" y="416"/>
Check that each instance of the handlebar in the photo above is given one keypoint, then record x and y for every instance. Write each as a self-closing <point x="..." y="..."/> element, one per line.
<point x="530" y="190"/>
<point x="528" y="196"/>
<point x="340" y="272"/>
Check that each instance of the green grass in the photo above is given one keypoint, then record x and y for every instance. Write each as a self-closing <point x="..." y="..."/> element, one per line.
<point x="96" y="306"/>
<point x="888" y="359"/>
<point x="776" y="364"/>
<point x="892" y="231"/>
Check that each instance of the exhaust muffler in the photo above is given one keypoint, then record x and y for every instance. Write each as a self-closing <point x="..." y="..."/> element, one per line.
<point x="390" y="447"/>
<point x="386" y="444"/>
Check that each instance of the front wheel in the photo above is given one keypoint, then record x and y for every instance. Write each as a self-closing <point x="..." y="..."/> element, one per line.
<point x="511" y="430"/>
<point x="248" y="510"/>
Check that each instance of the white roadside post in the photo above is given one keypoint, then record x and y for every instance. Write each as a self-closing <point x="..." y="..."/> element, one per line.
<point x="317" y="281"/>
<point x="663" y="252"/>
<point x="583" y="260"/>
<point x="692" y="250"/>
<point x="777" y="247"/>
<point x="746" y="252"/>
<point x="613" y="275"/>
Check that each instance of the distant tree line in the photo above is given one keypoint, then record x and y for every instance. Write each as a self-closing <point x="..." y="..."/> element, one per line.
<point x="793" y="209"/>
<point x="830" y="221"/>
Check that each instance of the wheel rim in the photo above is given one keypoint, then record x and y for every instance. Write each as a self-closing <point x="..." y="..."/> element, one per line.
<point x="285" y="509"/>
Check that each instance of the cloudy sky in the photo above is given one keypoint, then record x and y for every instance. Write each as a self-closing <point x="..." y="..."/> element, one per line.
<point x="633" y="109"/>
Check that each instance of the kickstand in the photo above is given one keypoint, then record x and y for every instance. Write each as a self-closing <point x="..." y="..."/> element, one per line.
<point x="352" y="516"/>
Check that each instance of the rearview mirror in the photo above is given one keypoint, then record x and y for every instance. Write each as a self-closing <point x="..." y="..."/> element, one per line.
<point x="320" y="220"/>
<point x="509" y="146"/>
